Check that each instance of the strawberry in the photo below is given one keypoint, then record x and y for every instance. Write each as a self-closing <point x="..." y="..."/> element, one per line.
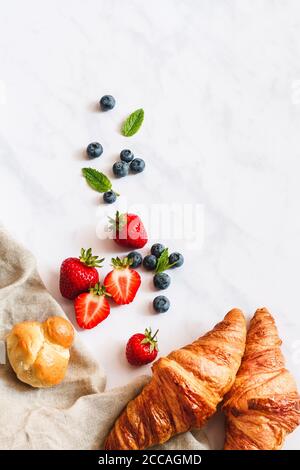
<point x="92" y="307"/>
<point x="122" y="282"/>
<point x="79" y="274"/>
<point x="128" y="230"/>
<point x="142" y="348"/>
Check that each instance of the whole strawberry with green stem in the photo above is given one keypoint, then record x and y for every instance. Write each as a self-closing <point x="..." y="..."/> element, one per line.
<point x="142" y="348"/>
<point x="77" y="275"/>
<point x="128" y="230"/>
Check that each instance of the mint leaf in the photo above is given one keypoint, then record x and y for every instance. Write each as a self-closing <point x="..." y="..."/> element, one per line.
<point x="133" y="123"/>
<point x="163" y="262"/>
<point x="96" y="180"/>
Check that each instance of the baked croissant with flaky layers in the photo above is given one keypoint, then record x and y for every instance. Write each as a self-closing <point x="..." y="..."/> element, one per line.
<point x="263" y="405"/>
<point x="185" y="389"/>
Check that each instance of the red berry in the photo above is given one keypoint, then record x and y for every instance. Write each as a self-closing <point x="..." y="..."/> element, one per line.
<point x="122" y="283"/>
<point x="142" y="348"/>
<point x="77" y="275"/>
<point x="129" y="230"/>
<point x="91" y="308"/>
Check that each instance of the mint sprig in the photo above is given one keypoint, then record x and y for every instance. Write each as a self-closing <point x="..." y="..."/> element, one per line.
<point x="97" y="180"/>
<point x="163" y="262"/>
<point x="133" y="123"/>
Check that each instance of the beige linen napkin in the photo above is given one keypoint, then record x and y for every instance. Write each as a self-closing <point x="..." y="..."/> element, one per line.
<point x="78" y="413"/>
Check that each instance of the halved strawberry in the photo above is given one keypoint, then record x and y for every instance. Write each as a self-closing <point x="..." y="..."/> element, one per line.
<point x="122" y="282"/>
<point x="92" y="307"/>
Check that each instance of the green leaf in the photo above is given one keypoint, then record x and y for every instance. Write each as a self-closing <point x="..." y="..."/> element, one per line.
<point x="88" y="259"/>
<point x="163" y="262"/>
<point x="121" y="263"/>
<point x="96" y="180"/>
<point x="150" y="339"/>
<point x="133" y="123"/>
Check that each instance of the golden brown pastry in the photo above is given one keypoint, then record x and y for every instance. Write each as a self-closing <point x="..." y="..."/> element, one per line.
<point x="39" y="352"/>
<point x="185" y="389"/>
<point x="263" y="405"/>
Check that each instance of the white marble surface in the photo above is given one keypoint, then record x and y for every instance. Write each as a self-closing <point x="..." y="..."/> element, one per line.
<point x="220" y="85"/>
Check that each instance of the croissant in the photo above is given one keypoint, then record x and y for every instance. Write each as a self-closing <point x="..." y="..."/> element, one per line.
<point x="263" y="405"/>
<point x="185" y="389"/>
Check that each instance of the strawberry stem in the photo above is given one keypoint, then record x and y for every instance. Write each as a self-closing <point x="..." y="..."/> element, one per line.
<point x="119" y="263"/>
<point x="99" y="290"/>
<point x="154" y="335"/>
<point x="150" y="339"/>
<point x="118" y="223"/>
<point x="87" y="258"/>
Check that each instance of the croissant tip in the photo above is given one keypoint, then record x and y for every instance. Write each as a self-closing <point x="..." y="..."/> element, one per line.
<point x="235" y="314"/>
<point x="262" y="311"/>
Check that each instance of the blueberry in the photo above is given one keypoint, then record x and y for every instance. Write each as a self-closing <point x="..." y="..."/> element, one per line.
<point x="150" y="262"/>
<point x="136" y="259"/>
<point x="94" y="150"/>
<point x="120" y="169"/>
<point x="161" y="304"/>
<point x="157" y="249"/>
<point x="176" y="258"/>
<point x="126" y="155"/>
<point x="109" y="197"/>
<point x="137" y="165"/>
<point x="161" y="281"/>
<point x="107" y="102"/>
